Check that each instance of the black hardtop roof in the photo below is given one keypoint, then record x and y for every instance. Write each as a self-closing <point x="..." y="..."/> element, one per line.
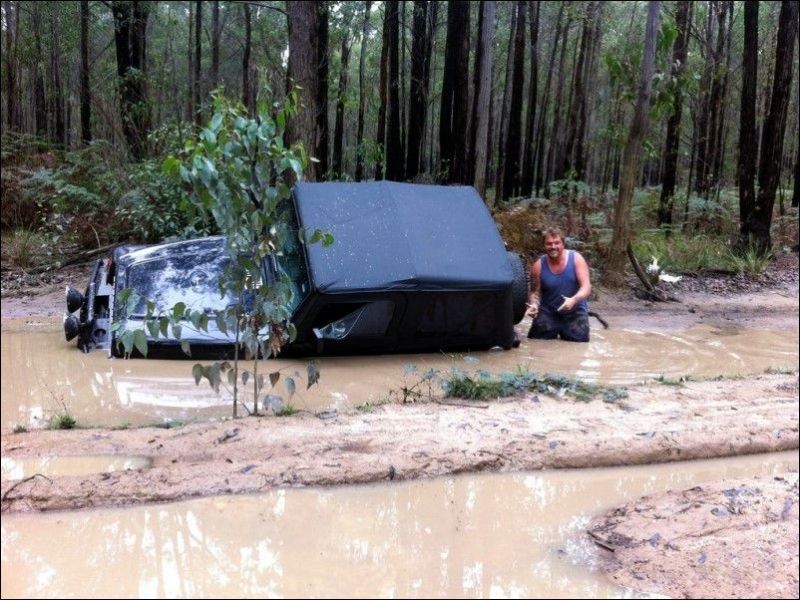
<point x="401" y="236"/>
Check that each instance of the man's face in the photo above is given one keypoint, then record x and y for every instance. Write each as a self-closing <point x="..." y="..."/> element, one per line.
<point x="554" y="246"/>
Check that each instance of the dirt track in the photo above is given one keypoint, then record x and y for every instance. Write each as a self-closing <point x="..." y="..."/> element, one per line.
<point x="656" y="423"/>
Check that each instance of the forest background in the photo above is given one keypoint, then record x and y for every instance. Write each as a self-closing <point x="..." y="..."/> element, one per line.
<point x="671" y="125"/>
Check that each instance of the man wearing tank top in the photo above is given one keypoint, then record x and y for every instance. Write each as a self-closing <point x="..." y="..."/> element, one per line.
<point x="560" y="286"/>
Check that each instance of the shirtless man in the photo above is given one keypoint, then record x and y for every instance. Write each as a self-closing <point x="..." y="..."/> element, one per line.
<point x="560" y="286"/>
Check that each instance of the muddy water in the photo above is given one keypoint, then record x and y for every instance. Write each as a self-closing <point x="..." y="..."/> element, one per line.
<point x="496" y="535"/>
<point x="43" y="375"/>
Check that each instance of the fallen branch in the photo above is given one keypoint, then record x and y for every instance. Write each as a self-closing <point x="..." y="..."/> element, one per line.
<point x="20" y="482"/>
<point x="651" y="292"/>
<point x="78" y="258"/>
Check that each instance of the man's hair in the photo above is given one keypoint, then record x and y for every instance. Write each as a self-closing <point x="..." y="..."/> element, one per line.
<point x="553" y="232"/>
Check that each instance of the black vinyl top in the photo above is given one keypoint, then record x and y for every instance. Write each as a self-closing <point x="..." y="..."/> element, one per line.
<point x="401" y="236"/>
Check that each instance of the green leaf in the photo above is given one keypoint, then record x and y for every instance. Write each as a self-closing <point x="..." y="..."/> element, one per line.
<point x="152" y="328"/>
<point x="178" y="310"/>
<point x="176" y="331"/>
<point x="140" y="341"/>
<point x="245" y="377"/>
<point x="163" y="325"/>
<point x="197" y="373"/>
<point x="216" y="122"/>
<point x="185" y="347"/>
<point x="221" y="324"/>
<point x="231" y="377"/>
<point x="290" y="385"/>
<point x="171" y="167"/>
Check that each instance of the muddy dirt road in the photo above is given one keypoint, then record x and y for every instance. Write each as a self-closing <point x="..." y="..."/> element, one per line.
<point x="656" y="423"/>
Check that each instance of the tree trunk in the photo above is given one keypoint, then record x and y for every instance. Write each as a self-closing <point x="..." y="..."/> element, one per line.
<point x="746" y="171"/>
<point x="198" y="59"/>
<point x="510" y="185"/>
<point x="615" y="267"/>
<point x="321" y="105"/>
<point x="338" y="132"/>
<point x="215" y="36"/>
<point x="704" y="119"/>
<point x="86" y="98"/>
<point x="248" y="98"/>
<point x="384" y="84"/>
<point x="679" y="52"/>
<point x="417" y="105"/>
<point x="394" y="147"/>
<point x="502" y="128"/>
<point x="482" y="109"/>
<point x="13" y="119"/>
<point x="542" y="127"/>
<point x="303" y="72"/>
<point x="39" y="102"/>
<point x="362" y="96"/>
<point x="455" y="94"/>
<point x="530" y="143"/>
<point x="758" y="225"/>
<point x="56" y="100"/>
<point x="554" y="150"/>
<point x="130" y="37"/>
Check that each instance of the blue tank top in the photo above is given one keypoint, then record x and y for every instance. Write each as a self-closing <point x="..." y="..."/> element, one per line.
<point x="553" y="286"/>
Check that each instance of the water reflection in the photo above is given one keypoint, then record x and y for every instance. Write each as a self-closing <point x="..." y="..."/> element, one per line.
<point x="43" y="375"/>
<point x="497" y="536"/>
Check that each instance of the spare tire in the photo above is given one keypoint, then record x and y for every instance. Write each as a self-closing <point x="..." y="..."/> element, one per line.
<point x="520" y="288"/>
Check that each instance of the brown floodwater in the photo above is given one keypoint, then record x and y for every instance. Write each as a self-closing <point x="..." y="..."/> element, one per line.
<point x="42" y="375"/>
<point x="492" y="535"/>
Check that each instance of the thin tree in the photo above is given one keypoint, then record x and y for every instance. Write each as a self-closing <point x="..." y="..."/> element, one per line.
<point x="394" y="147"/>
<point x="248" y="98"/>
<point x="215" y="37"/>
<point x="362" y="96"/>
<point x="384" y="93"/>
<point x="338" y="130"/>
<point x="678" y="67"/>
<point x="758" y="225"/>
<point x="321" y="105"/>
<point x="526" y="185"/>
<point x="631" y="160"/>
<point x="510" y="184"/>
<point x="417" y="103"/>
<point x="453" y="117"/>
<point x="746" y="170"/>
<point x="502" y="128"/>
<point x="198" y="59"/>
<point x="86" y="97"/>
<point x="541" y="127"/>
<point x="482" y="108"/>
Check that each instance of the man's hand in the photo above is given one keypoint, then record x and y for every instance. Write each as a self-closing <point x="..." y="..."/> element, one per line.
<point x="533" y="310"/>
<point x="567" y="305"/>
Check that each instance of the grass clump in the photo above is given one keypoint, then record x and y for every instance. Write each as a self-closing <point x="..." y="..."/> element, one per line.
<point x="749" y="261"/>
<point x="23" y="248"/>
<point x="63" y="420"/>
<point x="20" y="429"/>
<point x="286" y="411"/>
<point x="483" y="386"/>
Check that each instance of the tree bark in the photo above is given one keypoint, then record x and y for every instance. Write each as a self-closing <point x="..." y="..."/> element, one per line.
<point x="13" y="116"/>
<point x="395" y="168"/>
<point x="502" y="129"/>
<point x="215" y="36"/>
<point x="679" y="53"/>
<point x="530" y="143"/>
<point x="417" y="104"/>
<point x="758" y="225"/>
<point x="746" y="171"/>
<point x="554" y="150"/>
<point x="303" y="73"/>
<point x="510" y="185"/>
<point x="198" y="59"/>
<point x="482" y="109"/>
<point x="338" y="132"/>
<point x="39" y="102"/>
<point x="384" y="93"/>
<point x="86" y="97"/>
<point x="321" y="106"/>
<point x="615" y="267"/>
<point x="540" y="154"/>
<point x="130" y="37"/>
<point x="362" y="96"/>
<point x="248" y="98"/>
<point x="453" y="139"/>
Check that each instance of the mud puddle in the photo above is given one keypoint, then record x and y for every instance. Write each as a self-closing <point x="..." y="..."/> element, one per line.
<point x="500" y="535"/>
<point x="44" y="376"/>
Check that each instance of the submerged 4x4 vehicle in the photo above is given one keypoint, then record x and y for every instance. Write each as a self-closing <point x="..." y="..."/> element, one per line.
<point x="412" y="268"/>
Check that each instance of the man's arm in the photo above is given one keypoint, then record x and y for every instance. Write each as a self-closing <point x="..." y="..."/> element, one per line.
<point x="533" y="297"/>
<point x="584" y="283"/>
